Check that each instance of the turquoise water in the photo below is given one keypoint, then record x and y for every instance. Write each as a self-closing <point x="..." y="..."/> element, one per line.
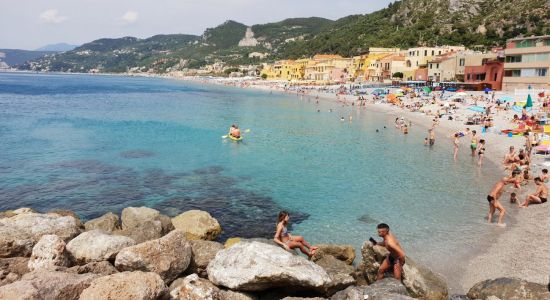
<point x="101" y="143"/>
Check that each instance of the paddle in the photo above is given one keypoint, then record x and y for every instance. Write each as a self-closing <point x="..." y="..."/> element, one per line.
<point x="225" y="136"/>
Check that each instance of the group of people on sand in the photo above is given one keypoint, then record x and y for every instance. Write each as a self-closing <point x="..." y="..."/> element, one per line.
<point x="394" y="260"/>
<point x="518" y="166"/>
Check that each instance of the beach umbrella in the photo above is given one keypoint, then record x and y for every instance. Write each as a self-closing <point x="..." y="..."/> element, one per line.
<point x="487" y="89"/>
<point x="427" y="90"/>
<point x="529" y="102"/>
<point x="477" y="108"/>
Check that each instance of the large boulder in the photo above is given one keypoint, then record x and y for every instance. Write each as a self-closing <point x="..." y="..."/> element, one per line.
<point x="509" y="289"/>
<point x="203" y="253"/>
<point x="232" y="295"/>
<point x="385" y="289"/>
<point x="70" y="213"/>
<point x="144" y="223"/>
<point x="423" y="283"/>
<point x="49" y="253"/>
<point x="47" y="285"/>
<point x="11" y="213"/>
<point x="126" y="286"/>
<point x="101" y="268"/>
<point x="420" y="281"/>
<point x="109" y="222"/>
<point x="97" y="245"/>
<point x="340" y="273"/>
<point x="20" y="232"/>
<point x="168" y="256"/>
<point x="345" y="253"/>
<point x="197" y="225"/>
<point x="12" y="268"/>
<point x="254" y="266"/>
<point x="192" y="287"/>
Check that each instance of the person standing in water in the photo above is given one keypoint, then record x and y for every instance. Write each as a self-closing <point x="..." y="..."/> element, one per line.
<point x="481" y="151"/>
<point x="287" y="241"/>
<point x="396" y="258"/>
<point x="473" y="143"/>
<point x="494" y="195"/>
<point x="431" y="133"/>
<point x="455" y="145"/>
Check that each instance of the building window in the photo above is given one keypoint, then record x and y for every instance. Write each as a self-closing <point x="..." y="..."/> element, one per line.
<point x="512" y="73"/>
<point x="439" y="52"/>
<point x="417" y="52"/>
<point x="433" y="52"/>
<point x="437" y="66"/>
<point x="525" y="44"/>
<point x="484" y="61"/>
<point x="468" y="77"/>
<point x="495" y="77"/>
<point x="425" y="52"/>
<point x="534" y="57"/>
<point x="513" y="58"/>
<point x="480" y="77"/>
<point x="462" y="62"/>
<point x="542" y="72"/>
<point x="431" y="66"/>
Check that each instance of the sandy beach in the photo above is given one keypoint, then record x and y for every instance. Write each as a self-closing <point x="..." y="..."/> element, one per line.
<point x="520" y="249"/>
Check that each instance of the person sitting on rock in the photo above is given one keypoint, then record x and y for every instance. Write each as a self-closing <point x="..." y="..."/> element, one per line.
<point x="396" y="257"/>
<point x="287" y="241"/>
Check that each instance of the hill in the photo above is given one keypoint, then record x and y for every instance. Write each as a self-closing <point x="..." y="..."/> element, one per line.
<point x="14" y="57"/>
<point x="59" y="47"/>
<point x="406" y="23"/>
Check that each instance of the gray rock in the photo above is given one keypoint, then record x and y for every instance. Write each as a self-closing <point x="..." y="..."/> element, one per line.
<point x="197" y="225"/>
<point x="48" y="254"/>
<point x="385" y="289"/>
<point x="137" y="217"/>
<point x="19" y="233"/>
<point x="47" y="285"/>
<point x="168" y="256"/>
<point x="345" y="253"/>
<point x="350" y="293"/>
<point x="458" y="297"/>
<point x="420" y="281"/>
<point x="193" y="287"/>
<point x="256" y="266"/>
<point x="232" y="295"/>
<point x="70" y="213"/>
<point x="509" y="289"/>
<point x="301" y="298"/>
<point x="150" y="230"/>
<point x="11" y="269"/>
<point x="11" y="213"/>
<point x="340" y="273"/>
<point x="203" y="253"/>
<point x="126" y="286"/>
<point x="101" y="268"/>
<point x="96" y="245"/>
<point x="109" y="222"/>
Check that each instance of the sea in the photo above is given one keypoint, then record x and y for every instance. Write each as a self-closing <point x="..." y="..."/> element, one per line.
<point x="95" y="144"/>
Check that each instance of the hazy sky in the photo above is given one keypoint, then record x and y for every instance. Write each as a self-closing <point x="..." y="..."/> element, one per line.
<point x="30" y="24"/>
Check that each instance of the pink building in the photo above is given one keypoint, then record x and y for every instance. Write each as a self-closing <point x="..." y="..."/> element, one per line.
<point x="489" y="74"/>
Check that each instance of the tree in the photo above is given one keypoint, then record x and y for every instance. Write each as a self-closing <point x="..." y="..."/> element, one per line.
<point x="398" y="75"/>
<point x="264" y="76"/>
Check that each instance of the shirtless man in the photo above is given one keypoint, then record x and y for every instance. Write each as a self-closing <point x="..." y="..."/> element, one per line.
<point x="396" y="258"/>
<point x="539" y="197"/>
<point x="495" y="194"/>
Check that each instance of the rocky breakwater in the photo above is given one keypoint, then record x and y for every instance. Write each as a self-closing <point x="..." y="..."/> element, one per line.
<point x="109" y="258"/>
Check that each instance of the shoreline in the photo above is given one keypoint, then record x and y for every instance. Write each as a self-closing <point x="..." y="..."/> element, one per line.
<point x="505" y="248"/>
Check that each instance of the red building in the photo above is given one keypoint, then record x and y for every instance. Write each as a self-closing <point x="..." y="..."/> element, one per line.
<point x="489" y="74"/>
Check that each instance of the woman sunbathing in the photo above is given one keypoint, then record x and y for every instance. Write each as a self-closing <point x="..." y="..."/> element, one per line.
<point x="287" y="241"/>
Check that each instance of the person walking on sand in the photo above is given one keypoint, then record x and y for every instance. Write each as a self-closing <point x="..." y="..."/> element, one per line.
<point x="494" y="196"/>
<point x="287" y="241"/>
<point x="396" y="258"/>
<point x="539" y="197"/>
<point x="455" y="145"/>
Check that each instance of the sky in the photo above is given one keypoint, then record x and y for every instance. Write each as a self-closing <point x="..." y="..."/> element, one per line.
<point x="30" y="24"/>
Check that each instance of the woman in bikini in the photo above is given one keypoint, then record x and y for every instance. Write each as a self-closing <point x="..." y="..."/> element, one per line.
<point x="287" y="241"/>
<point x="481" y="151"/>
<point x="455" y="145"/>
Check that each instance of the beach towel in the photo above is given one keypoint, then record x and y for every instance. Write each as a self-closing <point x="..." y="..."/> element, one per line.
<point x="517" y="108"/>
<point x="477" y="108"/>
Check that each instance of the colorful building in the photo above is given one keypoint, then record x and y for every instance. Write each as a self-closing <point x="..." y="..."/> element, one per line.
<point x="489" y="74"/>
<point x="417" y="60"/>
<point x="527" y="62"/>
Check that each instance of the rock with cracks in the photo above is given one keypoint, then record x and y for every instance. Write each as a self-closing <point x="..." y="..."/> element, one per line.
<point x="203" y="253"/>
<point x="168" y="256"/>
<point x="193" y="287"/>
<point x="508" y="288"/>
<point x="109" y="222"/>
<point x="256" y="266"/>
<point x="47" y="285"/>
<point x="96" y="245"/>
<point x="48" y="254"/>
<point x="126" y="286"/>
<point x="19" y="233"/>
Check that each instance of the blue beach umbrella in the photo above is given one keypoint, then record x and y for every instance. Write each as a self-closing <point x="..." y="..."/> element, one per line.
<point x="506" y="98"/>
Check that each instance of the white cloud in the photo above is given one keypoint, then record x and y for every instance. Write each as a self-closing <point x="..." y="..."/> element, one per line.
<point x="130" y="17"/>
<point x="52" y="16"/>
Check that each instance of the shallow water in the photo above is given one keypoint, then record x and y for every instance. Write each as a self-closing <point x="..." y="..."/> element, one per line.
<point x="94" y="144"/>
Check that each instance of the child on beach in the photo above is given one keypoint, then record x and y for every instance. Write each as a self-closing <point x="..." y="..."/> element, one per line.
<point x="513" y="198"/>
<point x="544" y="175"/>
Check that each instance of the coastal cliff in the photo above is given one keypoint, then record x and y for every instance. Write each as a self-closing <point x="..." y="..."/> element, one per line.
<point x="146" y="255"/>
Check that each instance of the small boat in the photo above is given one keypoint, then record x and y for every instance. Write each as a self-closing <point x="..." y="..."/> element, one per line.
<point x="234" y="138"/>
